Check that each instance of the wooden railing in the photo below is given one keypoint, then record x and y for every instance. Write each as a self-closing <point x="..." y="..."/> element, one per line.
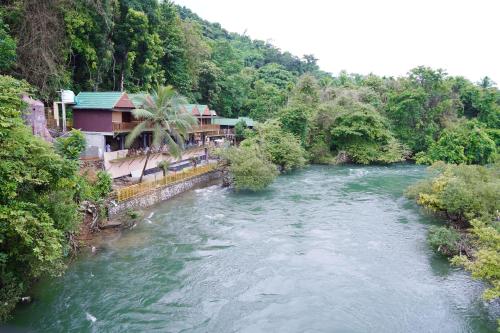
<point x="120" y="127"/>
<point x="205" y="128"/>
<point x="137" y="189"/>
<point x="117" y="127"/>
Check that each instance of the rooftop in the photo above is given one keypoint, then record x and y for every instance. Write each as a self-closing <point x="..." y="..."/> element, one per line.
<point x="233" y="121"/>
<point x="97" y="100"/>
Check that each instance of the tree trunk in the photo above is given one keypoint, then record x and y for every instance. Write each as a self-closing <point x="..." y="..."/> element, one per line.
<point x="145" y="164"/>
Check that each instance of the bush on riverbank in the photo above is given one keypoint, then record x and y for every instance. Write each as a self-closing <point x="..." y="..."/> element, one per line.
<point x="40" y="193"/>
<point x="469" y="196"/>
<point x="279" y="147"/>
<point x="268" y="149"/>
<point x="250" y="170"/>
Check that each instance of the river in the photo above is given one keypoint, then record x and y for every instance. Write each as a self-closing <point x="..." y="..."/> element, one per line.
<point x="326" y="249"/>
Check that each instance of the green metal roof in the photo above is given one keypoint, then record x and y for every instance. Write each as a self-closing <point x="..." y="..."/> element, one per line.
<point x="97" y="100"/>
<point x="232" y="121"/>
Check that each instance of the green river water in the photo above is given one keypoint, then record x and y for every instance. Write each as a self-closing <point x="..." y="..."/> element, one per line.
<point x="327" y="249"/>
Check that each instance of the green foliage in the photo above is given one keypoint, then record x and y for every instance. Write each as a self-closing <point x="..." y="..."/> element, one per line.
<point x="295" y="119"/>
<point x="356" y="128"/>
<point x="249" y="168"/>
<point x="102" y="185"/>
<point x="444" y="240"/>
<point x="468" y="195"/>
<point x="240" y="129"/>
<point x="467" y="143"/>
<point x="279" y="147"/>
<point x="30" y="247"/>
<point x="419" y="105"/>
<point x="133" y="214"/>
<point x="319" y="152"/>
<point x="464" y="192"/>
<point x="306" y="91"/>
<point x="71" y="145"/>
<point x="486" y="262"/>
<point x="12" y="105"/>
<point x="164" y="165"/>
<point x="7" y="46"/>
<point x="36" y="201"/>
<point x="265" y="100"/>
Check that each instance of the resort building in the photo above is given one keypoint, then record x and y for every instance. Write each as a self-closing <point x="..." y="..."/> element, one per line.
<point x="106" y="118"/>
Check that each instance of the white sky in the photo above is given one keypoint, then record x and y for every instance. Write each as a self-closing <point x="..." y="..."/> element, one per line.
<point x="385" y="37"/>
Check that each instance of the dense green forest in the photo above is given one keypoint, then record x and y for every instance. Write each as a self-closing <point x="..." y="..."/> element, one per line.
<point x="304" y="113"/>
<point x="135" y="45"/>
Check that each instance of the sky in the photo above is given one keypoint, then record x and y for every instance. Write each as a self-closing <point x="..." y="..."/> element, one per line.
<point x="384" y="37"/>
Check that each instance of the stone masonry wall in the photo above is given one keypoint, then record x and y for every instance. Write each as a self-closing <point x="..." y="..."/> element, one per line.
<point x="160" y="194"/>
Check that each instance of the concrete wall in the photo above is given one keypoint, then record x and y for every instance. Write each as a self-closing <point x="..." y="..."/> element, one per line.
<point x="94" y="145"/>
<point x="161" y="194"/>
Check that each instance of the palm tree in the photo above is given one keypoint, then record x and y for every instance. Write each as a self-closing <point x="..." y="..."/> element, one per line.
<point x="163" y="114"/>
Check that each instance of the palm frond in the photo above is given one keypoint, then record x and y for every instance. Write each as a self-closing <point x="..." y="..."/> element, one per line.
<point x="165" y="114"/>
<point x="135" y="133"/>
<point x="142" y="114"/>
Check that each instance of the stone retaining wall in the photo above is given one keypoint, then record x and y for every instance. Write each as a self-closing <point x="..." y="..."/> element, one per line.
<point x="160" y="194"/>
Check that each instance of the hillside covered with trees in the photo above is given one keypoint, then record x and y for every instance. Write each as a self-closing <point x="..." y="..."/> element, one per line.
<point x="135" y="45"/>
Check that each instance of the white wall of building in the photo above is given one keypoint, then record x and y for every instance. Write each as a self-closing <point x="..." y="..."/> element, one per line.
<point x="95" y="142"/>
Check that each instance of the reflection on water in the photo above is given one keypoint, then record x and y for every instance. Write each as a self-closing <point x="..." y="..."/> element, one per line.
<point x="327" y="249"/>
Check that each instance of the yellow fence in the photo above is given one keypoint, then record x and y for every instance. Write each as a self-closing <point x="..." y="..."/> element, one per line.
<point x="131" y="191"/>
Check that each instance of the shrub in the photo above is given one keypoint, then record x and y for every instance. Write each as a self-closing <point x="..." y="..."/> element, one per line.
<point x="38" y="192"/>
<point x="471" y="194"/>
<point x="164" y="165"/>
<point x="277" y="146"/>
<point x="319" y="152"/>
<point x="466" y="143"/>
<point x="133" y="214"/>
<point x="485" y="264"/>
<point x="463" y="192"/>
<point x="71" y="146"/>
<point x="365" y="152"/>
<point x="249" y="168"/>
<point x="102" y="185"/>
<point x="444" y="240"/>
<point x="240" y="130"/>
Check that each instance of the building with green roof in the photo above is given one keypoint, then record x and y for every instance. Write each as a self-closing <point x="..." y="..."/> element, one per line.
<point x="231" y="122"/>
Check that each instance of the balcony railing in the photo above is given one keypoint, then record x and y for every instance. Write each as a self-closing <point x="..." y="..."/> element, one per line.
<point x="124" y="127"/>
<point x="205" y="128"/>
<point x="121" y="127"/>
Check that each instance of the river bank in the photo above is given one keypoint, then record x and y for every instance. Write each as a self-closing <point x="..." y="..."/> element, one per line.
<point x="325" y="249"/>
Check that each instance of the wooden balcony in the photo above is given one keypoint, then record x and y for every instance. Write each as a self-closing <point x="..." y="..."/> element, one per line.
<point x="124" y="127"/>
<point x="205" y="128"/>
<point x="127" y="127"/>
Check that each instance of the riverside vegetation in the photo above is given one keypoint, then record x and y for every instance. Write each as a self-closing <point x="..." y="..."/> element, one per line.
<point x="305" y="115"/>
<point x="40" y="193"/>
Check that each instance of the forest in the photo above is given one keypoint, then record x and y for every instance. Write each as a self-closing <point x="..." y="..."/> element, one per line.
<point x="136" y="45"/>
<point x="304" y="114"/>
